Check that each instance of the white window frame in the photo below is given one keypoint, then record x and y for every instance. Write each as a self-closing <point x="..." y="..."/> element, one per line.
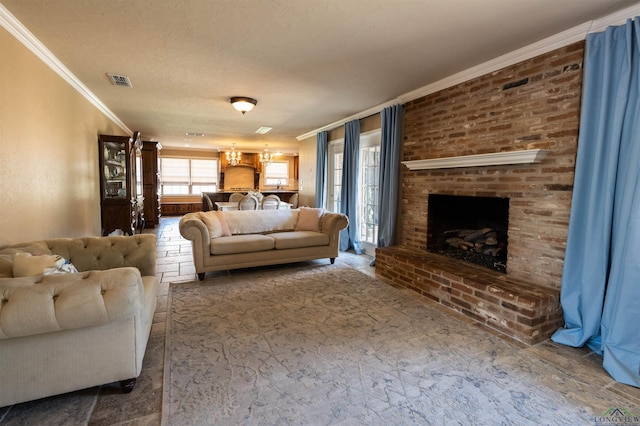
<point x="192" y="183"/>
<point x="367" y="230"/>
<point x="368" y="192"/>
<point x="276" y="177"/>
<point x="334" y="174"/>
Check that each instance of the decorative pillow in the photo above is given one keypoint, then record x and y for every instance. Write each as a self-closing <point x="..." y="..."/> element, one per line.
<point x="212" y="223"/>
<point x="31" y="265"/>
<point x="226" y="232"/>
<point x="309" y="219"/>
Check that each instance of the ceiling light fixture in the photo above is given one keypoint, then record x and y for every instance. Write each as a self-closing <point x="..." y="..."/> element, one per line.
<point x="266" y="158"/>
<point x="233" y="157"/>
<point x="243" y="104"/>
<point x="262" y="130"/>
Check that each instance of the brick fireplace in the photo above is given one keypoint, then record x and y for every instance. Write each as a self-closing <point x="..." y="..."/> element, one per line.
<point x="533" y="105"/>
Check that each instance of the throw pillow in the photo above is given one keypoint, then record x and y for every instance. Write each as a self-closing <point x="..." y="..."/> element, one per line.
<point x="226" y="232"/>
<point x="212" y="223"/>
<point x="31" y="265"/>
<point x="309" y="219"/>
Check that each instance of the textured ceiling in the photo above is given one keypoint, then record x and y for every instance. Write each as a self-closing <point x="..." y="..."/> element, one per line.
<point x="309" y="63"/>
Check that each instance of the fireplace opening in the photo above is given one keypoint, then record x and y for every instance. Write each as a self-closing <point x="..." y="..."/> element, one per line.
<point x="471" y="229"/>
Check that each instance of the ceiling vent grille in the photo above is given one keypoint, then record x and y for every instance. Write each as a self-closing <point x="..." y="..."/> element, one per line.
<point x="120" y="80"/>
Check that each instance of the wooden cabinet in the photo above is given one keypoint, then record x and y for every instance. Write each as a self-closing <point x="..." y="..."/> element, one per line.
<point x="180" y="208"/>
<point x="121" y="200"/>
<point x="151" y="183"/>
<point x="247" y="159"/>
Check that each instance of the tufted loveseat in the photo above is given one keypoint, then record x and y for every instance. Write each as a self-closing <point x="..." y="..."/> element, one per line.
<point x="224" y="240"/>
<point x="60" y="333"/>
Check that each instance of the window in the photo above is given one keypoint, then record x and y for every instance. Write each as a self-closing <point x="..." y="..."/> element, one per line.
<point x="368" y="191"/>
<point x="276" y="173"/>
<point x="366" y="221"/>
<point x="334" y="183"/>
<point x="188" y="176"/>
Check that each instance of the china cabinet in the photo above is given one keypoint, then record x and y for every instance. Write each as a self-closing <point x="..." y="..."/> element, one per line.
<point x="121" y="199"/>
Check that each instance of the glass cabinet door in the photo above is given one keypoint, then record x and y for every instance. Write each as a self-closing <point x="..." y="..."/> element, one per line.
<point x="115" y="170"/>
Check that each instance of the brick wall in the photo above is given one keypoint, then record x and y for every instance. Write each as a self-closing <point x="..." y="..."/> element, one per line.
<point x="533" y="104"/>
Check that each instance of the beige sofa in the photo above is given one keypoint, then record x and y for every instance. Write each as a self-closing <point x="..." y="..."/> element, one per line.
<point x="223" y="240"/>
<point x="64" y="332"/>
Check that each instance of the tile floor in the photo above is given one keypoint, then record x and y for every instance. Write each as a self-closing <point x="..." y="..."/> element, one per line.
<point x="105" y="405"/>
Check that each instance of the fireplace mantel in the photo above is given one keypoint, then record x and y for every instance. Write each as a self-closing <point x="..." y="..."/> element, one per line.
<point x="492" y="159"/>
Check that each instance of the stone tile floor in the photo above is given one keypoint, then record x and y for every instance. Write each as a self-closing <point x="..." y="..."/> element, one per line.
<point x="105" y="405"/>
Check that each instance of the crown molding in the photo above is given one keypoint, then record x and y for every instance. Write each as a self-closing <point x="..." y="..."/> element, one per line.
<point x="541" y="47"/>
<point x="24" y="36"/>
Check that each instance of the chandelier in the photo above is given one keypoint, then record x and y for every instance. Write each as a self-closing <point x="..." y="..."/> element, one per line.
<point x="233" y="157"/>
<point x="266" y="158"/>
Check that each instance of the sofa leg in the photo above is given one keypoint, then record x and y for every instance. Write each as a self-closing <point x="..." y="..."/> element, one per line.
<point x="332" y="259"/>
<point x="127" y="385"/>
<point x="201" y="276"/>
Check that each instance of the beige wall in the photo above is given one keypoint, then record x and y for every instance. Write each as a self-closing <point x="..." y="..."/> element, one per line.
<point x="307" y="172"/>
<point x="48" y="151"/>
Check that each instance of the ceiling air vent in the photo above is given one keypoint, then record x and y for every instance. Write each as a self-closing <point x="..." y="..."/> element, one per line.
<point x="120" y="80"/>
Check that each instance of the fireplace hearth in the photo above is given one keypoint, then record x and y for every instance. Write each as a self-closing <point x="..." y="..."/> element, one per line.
<point x="471" y="229"/>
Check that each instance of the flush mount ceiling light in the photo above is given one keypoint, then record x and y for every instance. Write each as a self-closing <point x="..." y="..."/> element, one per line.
<point x="242" y="103"/>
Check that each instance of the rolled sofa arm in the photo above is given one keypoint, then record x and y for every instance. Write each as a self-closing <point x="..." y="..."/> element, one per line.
<point x="44" y="304"/>
<point x="331" y="224"/>
<point x="193" y="228"/>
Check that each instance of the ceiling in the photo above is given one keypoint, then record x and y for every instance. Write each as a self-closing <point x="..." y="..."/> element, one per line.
<point x="309" y="63"/>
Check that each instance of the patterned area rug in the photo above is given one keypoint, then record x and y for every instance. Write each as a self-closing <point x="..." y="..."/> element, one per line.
<point x="328" y="345"/>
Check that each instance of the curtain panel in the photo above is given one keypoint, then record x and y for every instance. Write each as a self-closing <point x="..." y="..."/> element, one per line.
<point x="321" y="169"/>
<point x="389" y="179"/>
<point x="600" y="291"/>
<point x="349" y="188"/>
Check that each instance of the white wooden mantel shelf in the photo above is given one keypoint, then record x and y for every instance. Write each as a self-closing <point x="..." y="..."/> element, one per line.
<point x="493" y="159"/>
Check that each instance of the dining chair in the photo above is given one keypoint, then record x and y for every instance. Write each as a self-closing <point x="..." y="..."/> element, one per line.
<point x="208" y="202"/>
<point x="248" y="202"/>
<point x="294" y="201"/>
<point x="235" y="197"/>
<point x="271" y="202"/>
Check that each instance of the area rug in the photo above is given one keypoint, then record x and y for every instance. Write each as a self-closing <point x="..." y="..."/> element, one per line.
<point x="329" y="345"/>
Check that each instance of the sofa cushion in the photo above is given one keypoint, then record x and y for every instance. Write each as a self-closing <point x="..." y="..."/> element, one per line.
<point x="65" y="302"/>
<point x="241" y="244"/>
<point x="309" y="219"/>
<point x="260" y="221"/>
<point x="299" y="239"/>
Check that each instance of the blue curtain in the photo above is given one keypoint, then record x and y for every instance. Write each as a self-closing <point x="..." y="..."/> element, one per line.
<point x="600" y="292"/>
<point x="349" y="190"/>
<point x="390" y="144"/>
<point x="321" y="168"/>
